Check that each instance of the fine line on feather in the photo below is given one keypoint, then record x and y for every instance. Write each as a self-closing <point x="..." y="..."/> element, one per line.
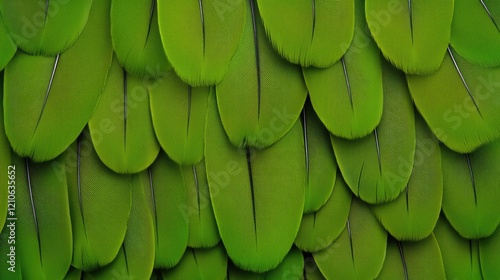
<point x="257" y="54"/>
<point x="403" y="259"/>
<point x="490" y="15"/>
<point x="472" y="178"/>
<point x="49" y="87"/>
<point x="32" y="201"/>
<point x="463" y="81"/>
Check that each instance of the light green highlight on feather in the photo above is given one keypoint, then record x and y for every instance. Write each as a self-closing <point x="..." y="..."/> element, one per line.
<point x="459" y="102"/>
<point x="256" y="110"/>
<point x="201" y="37"/>
<point x="310" y="33"/>
<point x="200" y="264"/>
<point x="136" y="256"/>
<point x="179" y="114"/>
<point x="348" y="96"/>
<point x="460" y="255"/>
<point x="413" y="215"/>
<point x="7" y="46"/>
<point x="121" y="126"/>
<point x="43" y="239"/>
<point x="475" y="32"/>
<point x="488" y="255"/>
<point x="100" y="202"/>
<point x="319" y="229"/>
<point x="359" y="251"/>
<point x="166" y="197"/>
<point x="320" y="161"/>
<point x="46" y="27"/>
<point x="292" y="267"/>
<point x="412" y="34"/>
<point x="63" y="91"/>
<point x="377" y="167"/>
<point x="254" y="192"/>
<point x="471" y="190"/>
<point x="203" y="231"/>
<point x="136" y="37"/>
<point x="413" y="260"/>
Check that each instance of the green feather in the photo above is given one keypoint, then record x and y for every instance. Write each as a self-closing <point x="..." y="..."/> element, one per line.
<point x="459" y="102"/>
<point x="203" y="231"/>
<point x="488" y="255"/>
<point x="413" y="215"/>
<point x="7" y="46"/>
<point x="377" y="167"/>
<point x="136" y="256"/>
<point x="166" y="194"/>
<point x="201" y="37"/>
<point x="255" y="108"/>
<point x="100" y="202"/>
<point x="136" y="37"/>
<point x="359" y="251"/>
<point x="179" y="114"/>
<point x="46" y="27"/>
<point x="121" y="127"/>
<point x="200" y="264"/>
<point x="62" y="92"/>
<point x="475" y="32"/>
<point x="319" y="229"/>
<point x="412" y="34"/>
<point x="460" y="256"/>
<point x="413" y="260"/>
<point x="320" y="161"/>
<point x="43" y="225"/>
<point x="7" y="175"/>
<point x="348" y="95"/>
<point x="471" y="190"/>
<point x="311" y="270"/>
<point x="292" y="267"/>
<point x="254" y="192"/>
<point x="312" y="33"/>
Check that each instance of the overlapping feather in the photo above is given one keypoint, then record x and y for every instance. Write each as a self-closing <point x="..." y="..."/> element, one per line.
<point x="121" y="126"/>
<point x="62" y="92"/>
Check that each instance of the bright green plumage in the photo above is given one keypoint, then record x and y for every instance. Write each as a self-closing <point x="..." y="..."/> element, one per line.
<point x="203" y="231"/>
<point x="319" y="229"/>
<point x="359" y="251"/>
<point x="62" y="91"/>
<point x="413" y="260"/>
<point x="460" y="256"/>
<point x="413" y="215"/>
<point x="350" y="90"/>
<point x="121" y="126"/>
<point x="46" y="27"/>
<point x="251" y="194"/>
<point x="412" y="34"/>
<point x="231" y="139"/>
<point x="251" y="89"/>
<point x="377" y="167"/>
<point x="471" y="190"/>
<point x="200" y="37"/>
<point x="136" y="38"/>
<point x="179" y="113"/>
<point x="310" y="33"/>
<point x="459" y="102"/>
<point x="44" y="231"/>
<point x="475" y="32"/>
<point x="100" y="202"/>
<point x="166" y="195"/>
